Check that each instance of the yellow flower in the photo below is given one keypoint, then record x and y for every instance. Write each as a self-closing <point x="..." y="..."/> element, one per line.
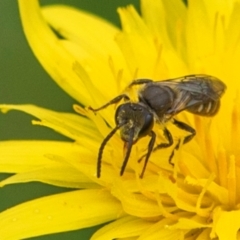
<point x="198" y="198"/>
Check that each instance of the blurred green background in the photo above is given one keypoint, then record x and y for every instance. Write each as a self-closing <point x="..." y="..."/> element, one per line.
<point x="23" y="80"/>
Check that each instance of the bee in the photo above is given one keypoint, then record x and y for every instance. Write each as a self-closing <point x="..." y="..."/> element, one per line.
<point x="158" y="102"/>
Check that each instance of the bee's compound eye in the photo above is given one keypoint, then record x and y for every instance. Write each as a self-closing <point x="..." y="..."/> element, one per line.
<point x="121" y="114"/>
<point x="148" y="121"/>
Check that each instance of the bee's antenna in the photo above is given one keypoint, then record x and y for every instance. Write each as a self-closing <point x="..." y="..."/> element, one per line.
<point x="129" y="148"/>
<point x="100" y="152"/>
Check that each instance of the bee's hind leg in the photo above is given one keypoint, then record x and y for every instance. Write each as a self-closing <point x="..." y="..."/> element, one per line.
<point x="186" y="139"/>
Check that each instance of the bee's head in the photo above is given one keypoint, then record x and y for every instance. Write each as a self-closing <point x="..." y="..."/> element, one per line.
<point x="136" y="121"/>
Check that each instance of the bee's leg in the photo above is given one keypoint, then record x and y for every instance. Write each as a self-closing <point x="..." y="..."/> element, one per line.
<point x="187" y="128"/>
<point x="139" y="81"/>
<point x="113" y="101"/>
<point x="168" y="136"/>
<point x="188" y="138"/>
<point x="150" y="149"/>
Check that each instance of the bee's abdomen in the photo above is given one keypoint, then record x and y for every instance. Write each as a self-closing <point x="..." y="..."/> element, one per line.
<point x="208" y="109"/>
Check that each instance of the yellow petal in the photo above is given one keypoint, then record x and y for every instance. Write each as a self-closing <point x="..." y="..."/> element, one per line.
<point x="71" y="125"/>
<point x="97" y="34"/>
<point x="154" y="15"/>
<point x="136" y="44"/>
<point x="232" y="33"/>
<point x="204" y="235"/>
<point x="190" y="223"/>
<point x="63" y="176"/>
<point x="55" y="59"/>
<point x="199" y="37"/>
<point x="23" y="156"/>
<point x="58" y="163"/>
<point x="175" y="21"/>
<point x="226" y="224"/>
<point x="148" y="55"/>
<point x="213" y="188"/>
<point x="125" y="227"/>
<point x="128" y="238"/>
<point x="160" y="230"/>
<point x="58" y="213"/>
<point x="135" y="204"/>
<point x="94" y="47"/>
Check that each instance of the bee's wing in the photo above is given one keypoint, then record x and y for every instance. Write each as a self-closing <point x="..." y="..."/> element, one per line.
<point x="197" y="86"/>
<point x="183" y="100"/>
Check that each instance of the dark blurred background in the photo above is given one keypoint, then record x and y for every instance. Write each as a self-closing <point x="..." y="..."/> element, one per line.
<point x="23" y="80"/>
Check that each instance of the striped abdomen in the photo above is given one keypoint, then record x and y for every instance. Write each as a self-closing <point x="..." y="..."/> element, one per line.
<point x="208" y="109"/>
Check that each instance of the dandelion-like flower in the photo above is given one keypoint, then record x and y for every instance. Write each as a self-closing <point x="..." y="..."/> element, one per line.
<point x="199" y="197"/>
